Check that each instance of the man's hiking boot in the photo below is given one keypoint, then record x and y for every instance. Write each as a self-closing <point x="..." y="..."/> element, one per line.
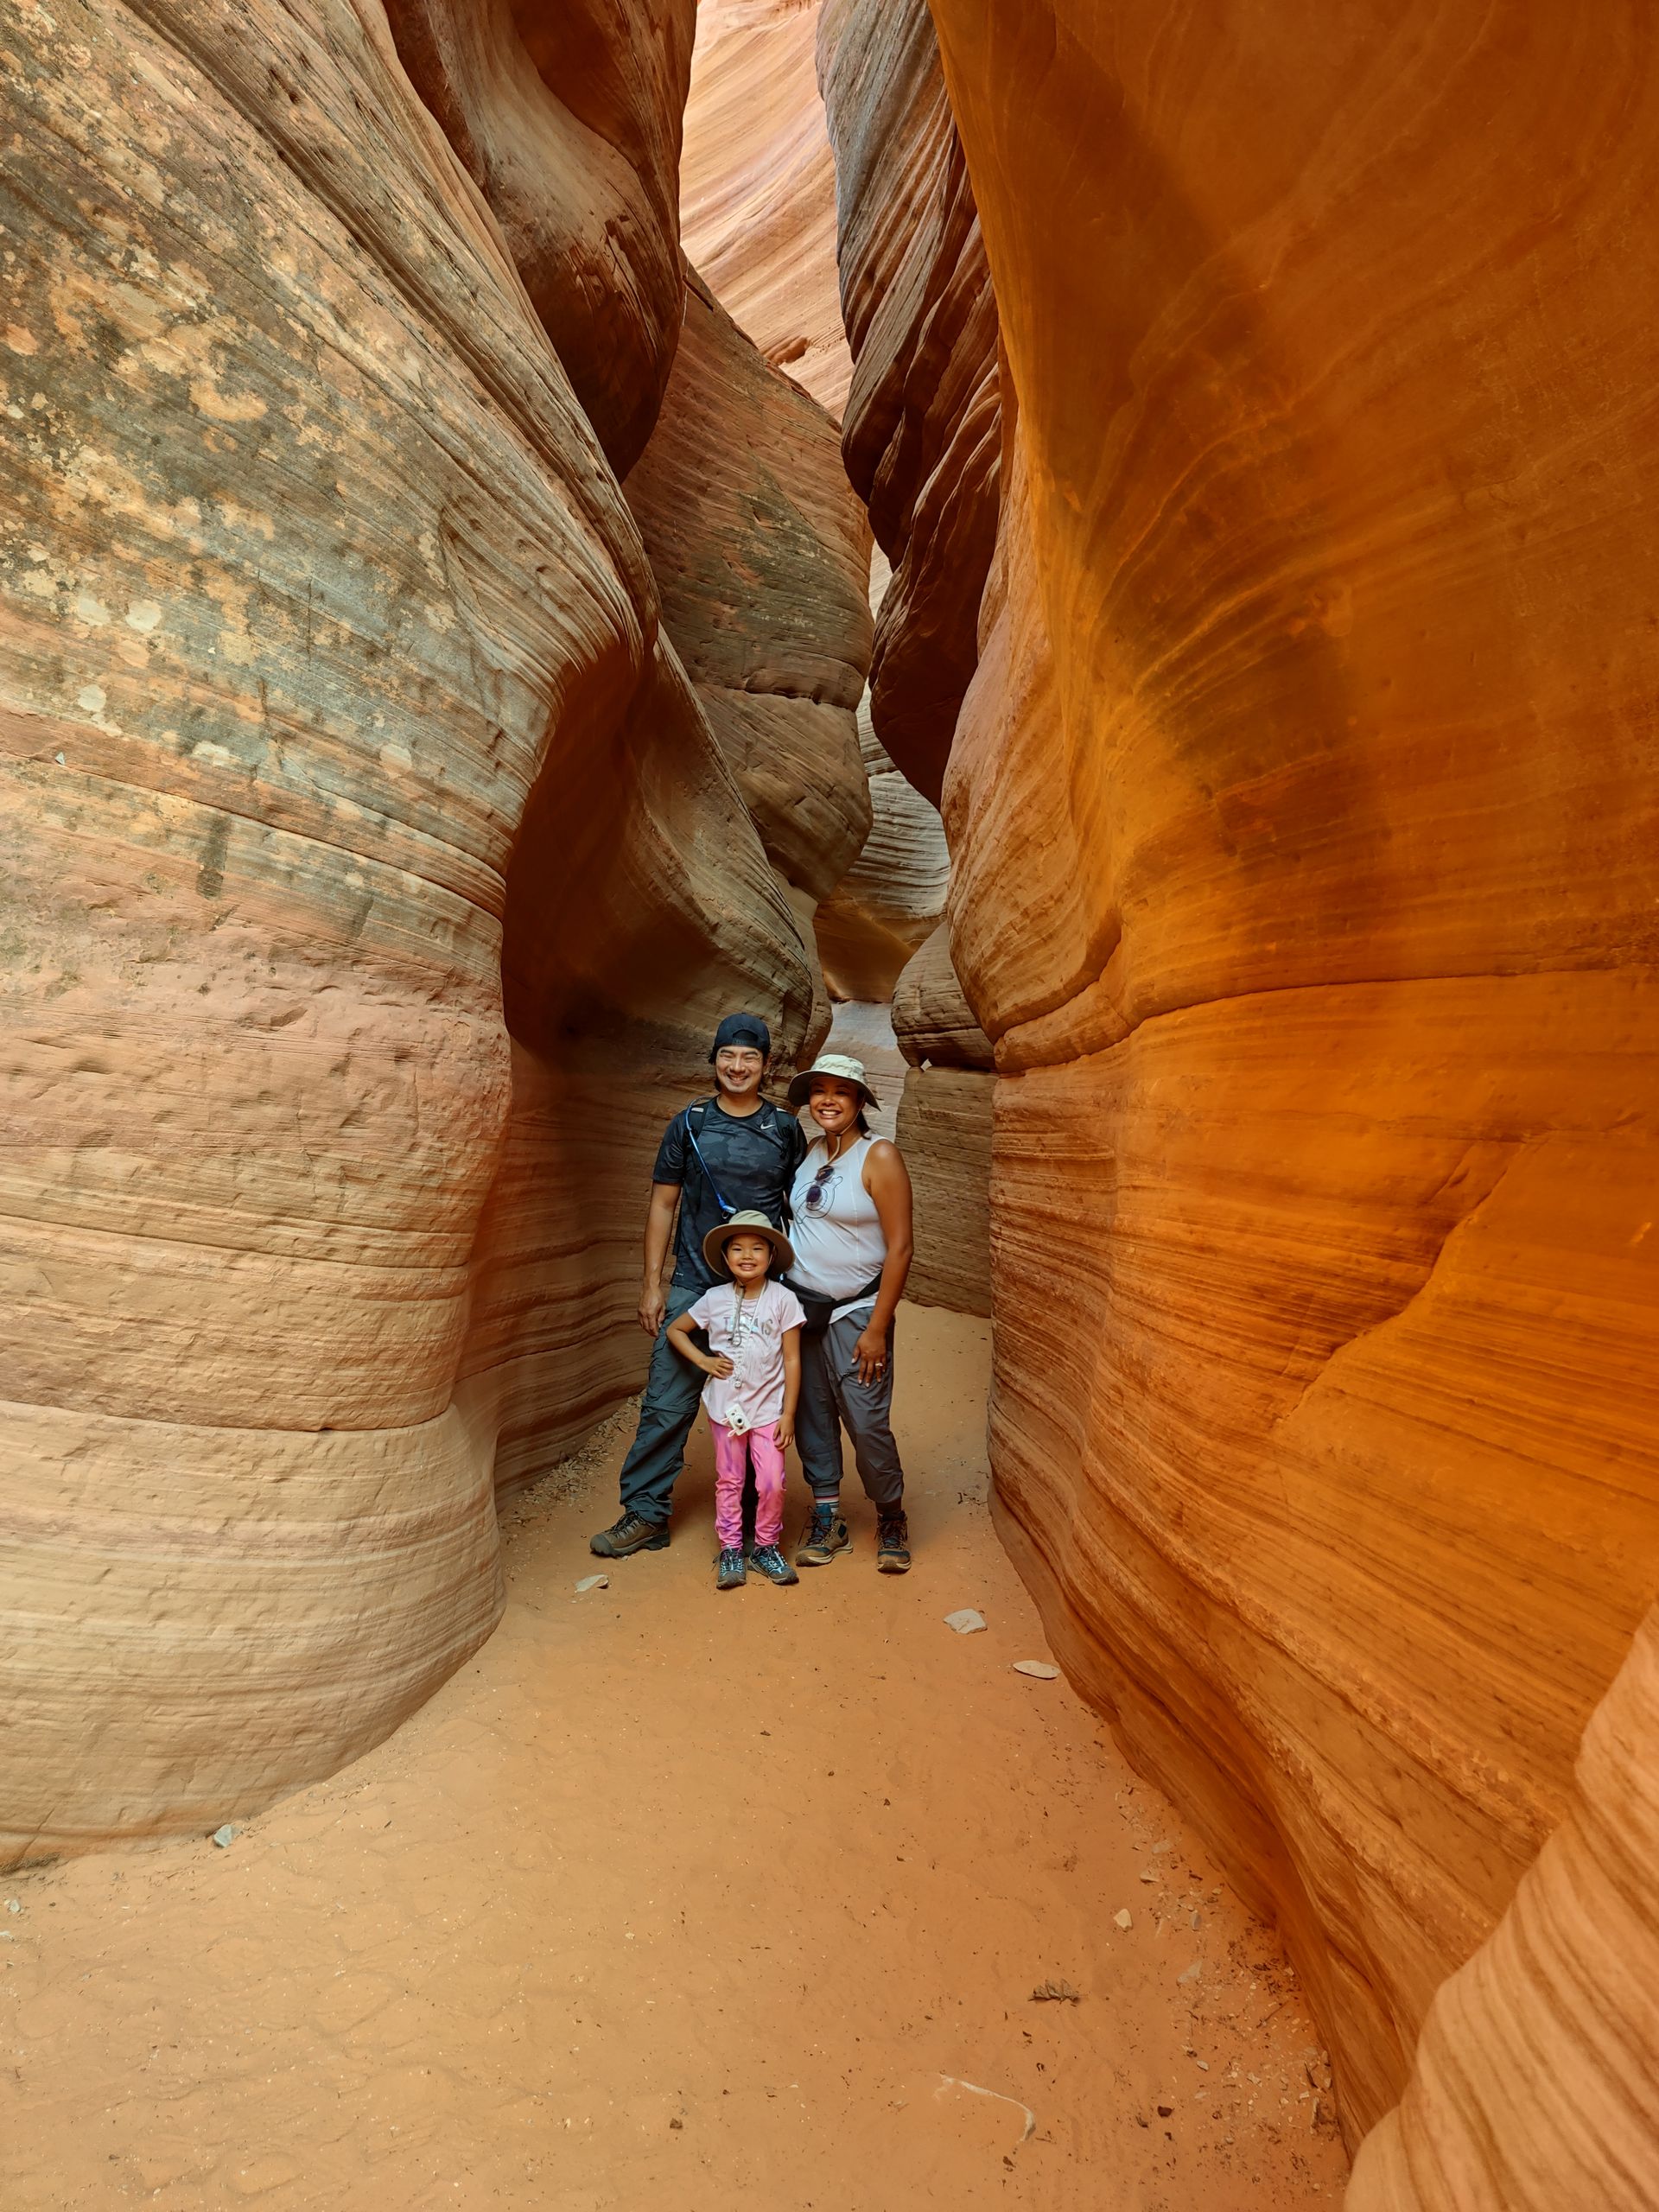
<point x="893" y="1544"/>
<point x="767" y="1559"/>
<point x="824" y="1536"/>
<point x="729" y="1574"/>
<point x="632" y="1533"/>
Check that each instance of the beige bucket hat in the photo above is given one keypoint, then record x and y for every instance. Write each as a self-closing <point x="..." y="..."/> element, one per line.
<point x="837" y="1064"/>
<point x="745" y="1224"/>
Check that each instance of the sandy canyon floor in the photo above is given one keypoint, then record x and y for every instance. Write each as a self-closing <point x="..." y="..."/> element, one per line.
<point x="683" y="1901"/>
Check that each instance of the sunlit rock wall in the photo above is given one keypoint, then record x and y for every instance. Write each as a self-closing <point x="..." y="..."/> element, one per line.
<point x="1302" y="818"/>
<point x="566" y="114"/>
<point x="920" y="430"/>
<point x="1536" y="2084"/>
<point x="944" y="1130"/>
<point x="330" y="652"/>
<point x="890" y="900"/>
<point x="757" y="187"/>
<point x="761" y="553"/>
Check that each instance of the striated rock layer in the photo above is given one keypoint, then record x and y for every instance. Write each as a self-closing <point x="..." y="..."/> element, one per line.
<point x="330" y="656"/>
<point x="757" y="187"/>
<point x="1536" y="2083"/>
<point x="567" y="116"/>
<point x="762" y="555"/>
<point x="1302" y="815"/>
<point x="920" y="431"/>
<point x="889" y="901"/>
<point x="944" y="1130"/>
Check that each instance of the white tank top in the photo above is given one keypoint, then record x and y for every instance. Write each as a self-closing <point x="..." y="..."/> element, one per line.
<point x="834" y="1226"/>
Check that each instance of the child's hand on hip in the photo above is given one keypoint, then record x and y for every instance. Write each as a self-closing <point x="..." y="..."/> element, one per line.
<point x="719" y="1366"/>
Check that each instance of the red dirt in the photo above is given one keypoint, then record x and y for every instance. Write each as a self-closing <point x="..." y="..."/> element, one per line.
<point x="674" y="1899"/>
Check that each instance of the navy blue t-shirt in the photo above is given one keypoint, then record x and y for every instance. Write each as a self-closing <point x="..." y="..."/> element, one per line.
<point x="752" y="1159"/>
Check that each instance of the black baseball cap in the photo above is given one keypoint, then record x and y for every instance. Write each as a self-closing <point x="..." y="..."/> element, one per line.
<point x="743" y="1029"/>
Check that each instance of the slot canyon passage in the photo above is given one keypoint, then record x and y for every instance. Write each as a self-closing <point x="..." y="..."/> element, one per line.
<point x="1100" y="557"/>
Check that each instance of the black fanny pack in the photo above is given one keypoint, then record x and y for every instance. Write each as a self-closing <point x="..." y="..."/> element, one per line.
<point x="819" y="1310"/>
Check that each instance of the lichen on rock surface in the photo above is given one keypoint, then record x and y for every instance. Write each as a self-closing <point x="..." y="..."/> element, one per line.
<point x="331" y="648"/>
<point x="1301" y="812"/>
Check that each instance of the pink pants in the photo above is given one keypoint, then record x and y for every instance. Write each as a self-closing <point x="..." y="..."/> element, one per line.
<point x="731" y="1464"/>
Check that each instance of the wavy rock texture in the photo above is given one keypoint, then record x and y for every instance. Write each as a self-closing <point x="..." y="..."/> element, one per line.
<point x="944" y="1130"/>
<point x="1301" y="816"/>
<point x="329" y="650"/>
<point x="920" y="430"/>
<point x="1536" y="2082"/>
<point x="931" y="1018"/>
<point x="890" y="900"/>
<point x="567" y="116"/>
<point x="762" y="557"/>
<point x="757" y="187"/>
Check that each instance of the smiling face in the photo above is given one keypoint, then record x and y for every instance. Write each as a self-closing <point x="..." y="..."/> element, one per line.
<point x="737" y="1069"/>
<point x="833" y="1104"/>
<point x="748" y="1257"/>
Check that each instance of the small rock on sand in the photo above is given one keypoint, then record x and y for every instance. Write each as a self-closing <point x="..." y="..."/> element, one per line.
<point x="965" y="1620"/>
<point x="1038" y="1669"/>
<point x="1123" y="1916"/>
<point x="593" y="1582"/>
<point x="225" y="1837"/>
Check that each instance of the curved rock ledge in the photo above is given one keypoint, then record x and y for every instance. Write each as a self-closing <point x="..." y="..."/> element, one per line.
<point x="330" y="653"/>
<point x="1302" y="880"/>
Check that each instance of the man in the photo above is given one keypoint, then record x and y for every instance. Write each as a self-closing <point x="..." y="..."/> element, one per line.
<point x="725" y="1154"/>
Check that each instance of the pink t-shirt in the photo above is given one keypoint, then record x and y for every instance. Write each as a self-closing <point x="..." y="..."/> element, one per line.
<point x="750" y="1331"/>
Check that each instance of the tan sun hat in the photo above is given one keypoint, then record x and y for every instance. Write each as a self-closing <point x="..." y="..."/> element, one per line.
<point x="835" y="1063"/>
<point x="745" y="1225"/>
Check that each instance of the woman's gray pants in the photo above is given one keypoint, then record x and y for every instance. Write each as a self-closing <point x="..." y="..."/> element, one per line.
<point x="832" y="1398"/>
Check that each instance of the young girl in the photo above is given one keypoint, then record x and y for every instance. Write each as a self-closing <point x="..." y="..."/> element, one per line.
<point x="754" y="1364"/>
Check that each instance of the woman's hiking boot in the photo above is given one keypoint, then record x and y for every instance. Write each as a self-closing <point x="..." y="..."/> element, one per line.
<point x="728" y="1573"/>
<point x="767" y="1559"/>
<point x="824" y="1536"/>
<point x="893" y="1544"/>
<point x="632" y="1533"/>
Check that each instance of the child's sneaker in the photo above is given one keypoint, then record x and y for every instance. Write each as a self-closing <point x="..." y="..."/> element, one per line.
<point x="767" y="1559"/>
<point x="729" y="1574"/>
<point x="824" y="1536"/>
<point x="893" y="1544"/>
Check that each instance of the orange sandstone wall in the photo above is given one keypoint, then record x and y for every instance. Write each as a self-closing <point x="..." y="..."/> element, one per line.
<point x="944" y="1124"/>
<point x="1302" y="818"/>
<point x="920" y="430"/>
<point x="758" y="187"/>
<point x="1536" y="2082"/>
<point x="762" y="554"/>
<point x="566" y="114"/>
<point x="332" y="686"/>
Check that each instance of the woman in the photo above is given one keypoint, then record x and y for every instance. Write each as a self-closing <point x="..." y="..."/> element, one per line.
<point x="851" y="1230"/>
